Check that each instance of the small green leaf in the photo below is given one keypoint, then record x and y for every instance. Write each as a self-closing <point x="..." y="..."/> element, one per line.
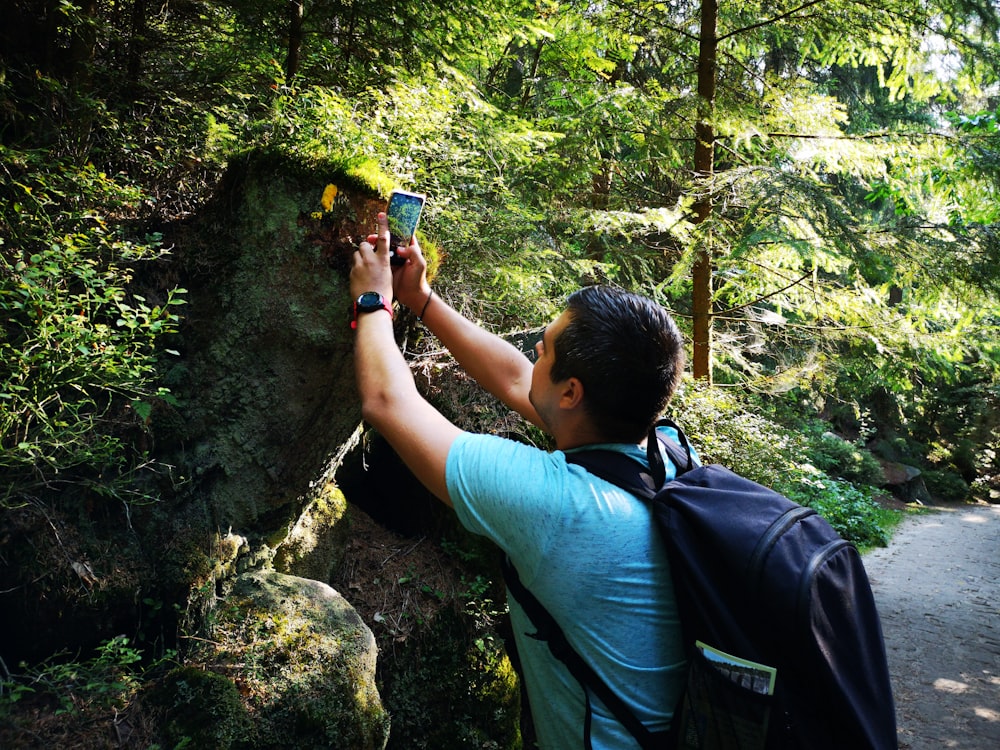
<point x="143" y="409"/>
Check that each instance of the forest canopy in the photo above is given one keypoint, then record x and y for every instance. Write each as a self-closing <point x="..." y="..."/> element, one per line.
<point x="810" y="186"/>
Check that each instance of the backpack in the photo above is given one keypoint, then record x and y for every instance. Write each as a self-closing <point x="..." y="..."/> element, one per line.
<point x="782" y="635"/>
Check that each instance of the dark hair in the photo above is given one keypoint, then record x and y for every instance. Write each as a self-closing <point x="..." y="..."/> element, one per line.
<point x="627" y="352"/>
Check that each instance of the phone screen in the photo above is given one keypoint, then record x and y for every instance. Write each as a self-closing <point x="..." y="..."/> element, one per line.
<point x="403" y="215"/>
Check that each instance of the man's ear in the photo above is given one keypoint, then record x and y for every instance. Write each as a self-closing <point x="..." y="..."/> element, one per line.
<point x="572" y="394"/>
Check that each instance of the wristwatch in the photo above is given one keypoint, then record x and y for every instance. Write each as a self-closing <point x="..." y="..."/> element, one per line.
<point x="370" y="302"/>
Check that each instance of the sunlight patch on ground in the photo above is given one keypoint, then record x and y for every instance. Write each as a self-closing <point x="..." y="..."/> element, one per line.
<point x="950" y="686"/>
<point x="987" y="713"/>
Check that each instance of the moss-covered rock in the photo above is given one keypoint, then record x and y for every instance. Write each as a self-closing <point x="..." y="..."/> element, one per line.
<point x="304" y="663"/>
<point x="452" y="688"/>
<point x="265" y="379"/>
<point x="314" y="546"/>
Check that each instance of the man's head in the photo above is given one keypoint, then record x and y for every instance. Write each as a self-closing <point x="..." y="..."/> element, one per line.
<point x="627" y="353"/>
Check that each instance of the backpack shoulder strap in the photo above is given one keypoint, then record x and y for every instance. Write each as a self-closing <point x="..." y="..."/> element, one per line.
<point x="617" y="468"/>
<point x="629" y="474"/>
<point x="679" y="452"/>
<point x="548" y="630"/>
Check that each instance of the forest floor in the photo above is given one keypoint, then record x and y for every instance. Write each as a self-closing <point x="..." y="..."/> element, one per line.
<point x="937" y="587"/>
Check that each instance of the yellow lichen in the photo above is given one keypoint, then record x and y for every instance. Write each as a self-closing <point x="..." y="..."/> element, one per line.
<point x="328" y="195"/>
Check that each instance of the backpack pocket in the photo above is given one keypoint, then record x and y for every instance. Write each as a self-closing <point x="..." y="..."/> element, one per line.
<point x="726" y="705"/>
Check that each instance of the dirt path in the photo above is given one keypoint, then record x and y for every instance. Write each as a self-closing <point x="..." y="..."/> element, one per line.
<point x="938" y="591"/>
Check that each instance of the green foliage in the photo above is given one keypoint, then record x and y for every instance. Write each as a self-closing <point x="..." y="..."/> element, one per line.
<point x="850" y="509"/>
<point x="107" y="680"/>
<point x="837" y="457"/>
<point x="77" y="354"/>
<point x="946" y="486"/>
<point x="729" y="430"/>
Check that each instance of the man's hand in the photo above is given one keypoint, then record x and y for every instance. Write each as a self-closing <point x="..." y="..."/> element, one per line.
<point x="371" y="271"/>
<point x="409" y="280"/>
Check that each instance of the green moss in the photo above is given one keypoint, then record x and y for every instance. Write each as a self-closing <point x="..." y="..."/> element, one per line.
<point x="202" y="709"/>
<point x="450" y="691"/>
<point x="359" y="174"/>
<point x="312" y="546"/>
<point x="432" y="254"/>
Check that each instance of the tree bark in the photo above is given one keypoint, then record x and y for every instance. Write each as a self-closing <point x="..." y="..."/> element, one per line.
<point x="136" y="47"/>
<point x="83" y="41"/>
<point x="704" y="164"/>
<point x="295" y="32"/>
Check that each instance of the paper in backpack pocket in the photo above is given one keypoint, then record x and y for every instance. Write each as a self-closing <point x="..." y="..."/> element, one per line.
<point x="727" y="703"/>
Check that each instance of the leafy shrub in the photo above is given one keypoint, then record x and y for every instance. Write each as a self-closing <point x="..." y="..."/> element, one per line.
<point x="107" y="680"/>
<point x="851" y="510"/>
<point x="840" y="458"/>
<point x="726" y="429"/>
<point x="77" y="350"/>
<point x="946" y="485"/>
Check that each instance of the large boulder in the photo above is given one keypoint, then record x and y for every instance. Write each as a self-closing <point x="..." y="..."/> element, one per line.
<point x="302" y="659"/>
<point x="265" y="373"/>
<point x="904" y="481"/>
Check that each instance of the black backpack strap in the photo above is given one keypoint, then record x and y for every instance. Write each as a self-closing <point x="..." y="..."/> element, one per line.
<point x="548" y="630"/>
<point x="628" y="473"/>
<point x="679" y="452"/>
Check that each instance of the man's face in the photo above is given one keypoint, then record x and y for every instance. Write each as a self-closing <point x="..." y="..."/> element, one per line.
<point x="544" y="394"/>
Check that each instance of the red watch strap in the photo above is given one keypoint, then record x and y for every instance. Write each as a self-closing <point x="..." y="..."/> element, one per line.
<point x="385" y="306"/>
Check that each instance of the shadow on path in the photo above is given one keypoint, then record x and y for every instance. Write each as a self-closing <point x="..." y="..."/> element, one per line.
<point x="937" y="587"/>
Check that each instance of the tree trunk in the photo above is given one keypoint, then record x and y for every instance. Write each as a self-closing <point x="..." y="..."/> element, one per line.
<point x="704" y="164"/>
<point x="136" y="47"/>
<point x="295" y="16"/>
<point x="83" y="41"/>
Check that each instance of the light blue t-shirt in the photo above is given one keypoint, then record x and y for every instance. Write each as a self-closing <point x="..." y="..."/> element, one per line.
<point x="591" y="554"/>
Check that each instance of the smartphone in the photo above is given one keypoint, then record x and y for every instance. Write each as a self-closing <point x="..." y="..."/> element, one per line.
<point x="403" y="214"/>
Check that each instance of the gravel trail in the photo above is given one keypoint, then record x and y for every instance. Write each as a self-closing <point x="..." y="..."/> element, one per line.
<point x="937" y="587"/>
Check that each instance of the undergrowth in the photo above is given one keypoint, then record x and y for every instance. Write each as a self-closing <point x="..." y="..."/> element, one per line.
<point x="803" y="465"/>
<point x="106" y="681"/>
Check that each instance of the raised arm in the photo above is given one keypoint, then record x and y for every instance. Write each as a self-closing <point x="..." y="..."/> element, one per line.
<point x="390" y="402"/>
<point x="495" y="364"/>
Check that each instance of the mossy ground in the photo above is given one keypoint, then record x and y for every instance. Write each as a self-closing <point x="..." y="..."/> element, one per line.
<point x="443" y="673"/>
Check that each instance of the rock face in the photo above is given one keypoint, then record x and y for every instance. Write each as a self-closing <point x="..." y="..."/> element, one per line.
<point x="905" y="481"/>
<point x="265" y="374"/>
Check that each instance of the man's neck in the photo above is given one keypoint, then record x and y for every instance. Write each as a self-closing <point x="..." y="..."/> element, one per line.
<point x="580" y="438"/>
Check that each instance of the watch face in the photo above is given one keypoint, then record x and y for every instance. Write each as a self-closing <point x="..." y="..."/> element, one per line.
<point x="369" y="301"/>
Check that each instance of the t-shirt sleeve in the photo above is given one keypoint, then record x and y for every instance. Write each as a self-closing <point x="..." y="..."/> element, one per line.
<point x="508" y="492"/>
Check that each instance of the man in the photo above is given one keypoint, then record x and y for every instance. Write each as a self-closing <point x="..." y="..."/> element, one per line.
<point x="587" y="550"/>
